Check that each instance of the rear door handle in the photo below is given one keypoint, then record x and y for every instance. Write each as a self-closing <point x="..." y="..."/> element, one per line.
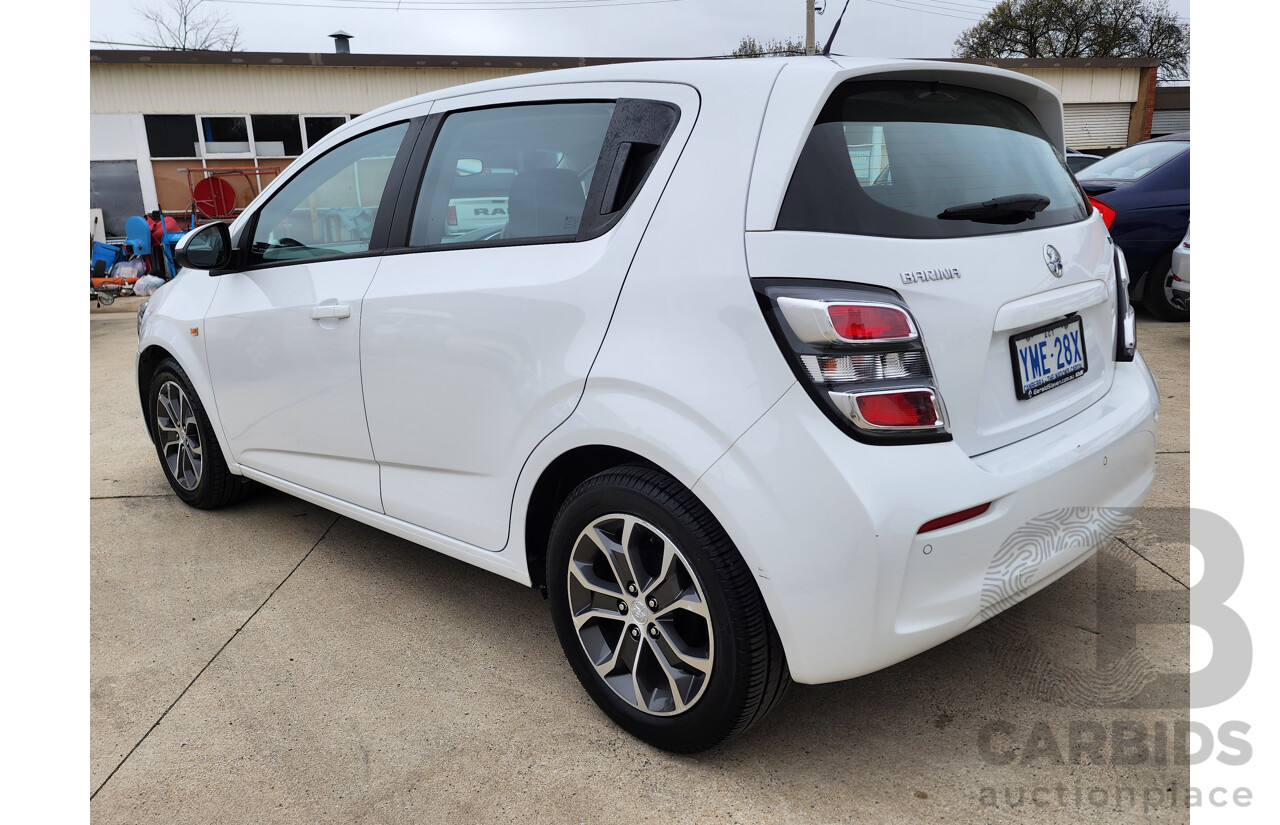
<point x="331" y="311"/>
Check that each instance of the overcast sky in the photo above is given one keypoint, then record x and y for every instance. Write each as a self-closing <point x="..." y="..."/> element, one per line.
<point x="570" y="28"/>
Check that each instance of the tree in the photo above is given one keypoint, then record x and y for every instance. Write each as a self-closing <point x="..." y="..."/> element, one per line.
<point x="181" y="25"/>
<point x="750" y="48"/>
<point x="1082" y="28"/>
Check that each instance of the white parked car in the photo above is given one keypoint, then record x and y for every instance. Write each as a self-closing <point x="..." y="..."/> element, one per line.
<point x="766" y="363"/>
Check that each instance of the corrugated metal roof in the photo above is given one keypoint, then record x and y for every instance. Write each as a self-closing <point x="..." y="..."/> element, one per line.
<point x="346" y="60"/>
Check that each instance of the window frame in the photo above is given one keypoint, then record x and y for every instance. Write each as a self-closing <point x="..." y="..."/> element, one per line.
<point x="205" y="154"/>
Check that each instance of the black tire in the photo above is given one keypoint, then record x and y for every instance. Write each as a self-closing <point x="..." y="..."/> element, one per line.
<point x="747" y="669"/>
<point x="1156" y="293"/>
<point x="189" y="453"/>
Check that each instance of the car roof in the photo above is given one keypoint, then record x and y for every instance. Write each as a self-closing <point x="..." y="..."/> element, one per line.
<point x="1184" y="136"/>
<point x="727" y="73"/>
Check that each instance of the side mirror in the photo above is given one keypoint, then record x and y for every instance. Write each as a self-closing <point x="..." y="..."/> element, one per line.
<point x="208" y="247"/>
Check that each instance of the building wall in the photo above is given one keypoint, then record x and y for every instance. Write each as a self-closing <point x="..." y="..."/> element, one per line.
<point x="205" y="89"/>
<point x="123" y="137"/>
<point x="1091" y="85"/>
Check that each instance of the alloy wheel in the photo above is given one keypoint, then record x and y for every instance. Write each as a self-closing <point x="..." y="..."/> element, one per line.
<point x="641" y="614"/>
<point x="179" y="435"/>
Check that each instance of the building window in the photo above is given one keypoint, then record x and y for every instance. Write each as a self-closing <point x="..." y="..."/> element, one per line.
<point x="318" y="127"/>
<point x="276" y="136"/>
<point x="225" y="135"/>
<point x="172" y="136"/>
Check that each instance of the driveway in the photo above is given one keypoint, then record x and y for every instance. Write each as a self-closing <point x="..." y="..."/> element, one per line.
<point x="275" y="663"/>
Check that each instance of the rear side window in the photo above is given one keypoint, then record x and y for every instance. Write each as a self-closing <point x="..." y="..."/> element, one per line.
<point x="890" y="158"/>
<point x="510" y="174"/>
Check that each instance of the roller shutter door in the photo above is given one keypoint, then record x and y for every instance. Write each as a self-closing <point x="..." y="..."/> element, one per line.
<point x="1096" y="125"/>
<point x="1170" y="121"/>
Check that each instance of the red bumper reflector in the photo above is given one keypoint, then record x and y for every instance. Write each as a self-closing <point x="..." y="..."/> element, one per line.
<point x="954" y="518"/>
<point x="869" y="323"/>
<point x="913" y="408"/>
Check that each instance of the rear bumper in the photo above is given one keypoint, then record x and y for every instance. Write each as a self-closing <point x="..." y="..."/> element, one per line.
<point x="830" y="526"/>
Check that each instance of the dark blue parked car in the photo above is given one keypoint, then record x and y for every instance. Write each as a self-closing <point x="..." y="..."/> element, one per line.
<point x="1144" y="195"/>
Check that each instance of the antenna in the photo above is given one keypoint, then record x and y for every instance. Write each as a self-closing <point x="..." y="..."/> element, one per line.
<point x="826" y="50"/>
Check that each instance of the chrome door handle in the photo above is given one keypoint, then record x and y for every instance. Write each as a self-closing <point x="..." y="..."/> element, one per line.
<point x="330" y="311"/>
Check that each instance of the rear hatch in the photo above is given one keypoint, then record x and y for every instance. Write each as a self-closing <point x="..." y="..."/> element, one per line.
<point x="944" y="195"/>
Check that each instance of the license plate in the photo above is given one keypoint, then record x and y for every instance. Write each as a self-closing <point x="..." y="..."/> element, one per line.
<point x="1048" y="357"/>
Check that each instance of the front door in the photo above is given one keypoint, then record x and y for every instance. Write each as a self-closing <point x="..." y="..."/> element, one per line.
<point x="283" y="336"/>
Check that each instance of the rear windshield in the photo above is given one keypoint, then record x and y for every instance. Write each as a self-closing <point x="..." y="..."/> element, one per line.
<point x="1136" y="161"/>
<point x="887" y="158"/>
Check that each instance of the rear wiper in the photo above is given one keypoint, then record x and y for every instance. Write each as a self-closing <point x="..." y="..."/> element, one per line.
<point x="1004" y="209"/>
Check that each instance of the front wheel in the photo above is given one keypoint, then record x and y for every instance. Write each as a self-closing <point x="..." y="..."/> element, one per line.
<point x="658" y="614"/>
<point x="188" y="452"/>
<point x="1157" y="292"/>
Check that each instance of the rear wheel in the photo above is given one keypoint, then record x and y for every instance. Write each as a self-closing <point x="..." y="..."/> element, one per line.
<point x="188" y="452"/>
<point x="658" y="614"/>
<point x="1157" y="292"/>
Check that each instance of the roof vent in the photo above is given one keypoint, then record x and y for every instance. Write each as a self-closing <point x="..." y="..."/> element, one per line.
<point x="341" y="42"/>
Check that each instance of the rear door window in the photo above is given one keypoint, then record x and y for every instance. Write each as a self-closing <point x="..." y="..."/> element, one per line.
<point x="916" y="160"/>
<point x="510" y="174"/>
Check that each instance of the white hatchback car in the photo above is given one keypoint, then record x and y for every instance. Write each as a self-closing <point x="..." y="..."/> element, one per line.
<point x="760" y="372"/>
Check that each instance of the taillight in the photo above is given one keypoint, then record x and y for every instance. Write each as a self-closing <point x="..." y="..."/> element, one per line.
<point x="860" y="355"/>
<point x="1108" y="214"/>
<point x="1126" y="323"/>
<point x="870" y="322"/>
<point x="452" y="218"/>
<point x="893" y="409"/>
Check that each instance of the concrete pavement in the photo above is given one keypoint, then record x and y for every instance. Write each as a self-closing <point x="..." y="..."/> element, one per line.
<point x="273" y="662"/>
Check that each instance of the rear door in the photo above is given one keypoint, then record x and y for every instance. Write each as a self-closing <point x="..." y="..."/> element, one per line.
<point x="479" y="330"/>
<point x="949" y="191"/>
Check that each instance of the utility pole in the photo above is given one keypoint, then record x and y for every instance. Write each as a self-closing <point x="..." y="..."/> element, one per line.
<point x="809" y="47"/>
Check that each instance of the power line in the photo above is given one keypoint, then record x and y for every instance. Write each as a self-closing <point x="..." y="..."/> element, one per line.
<point x="980" y="7"/>
<point x="453" y="5"/>
<point x="477" y="5"/>
<point x="923" y="11"/>
<point x="141" y="45"/>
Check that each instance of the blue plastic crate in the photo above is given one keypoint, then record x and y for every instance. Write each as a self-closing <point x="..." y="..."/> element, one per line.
<point x="107" y="253"/>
